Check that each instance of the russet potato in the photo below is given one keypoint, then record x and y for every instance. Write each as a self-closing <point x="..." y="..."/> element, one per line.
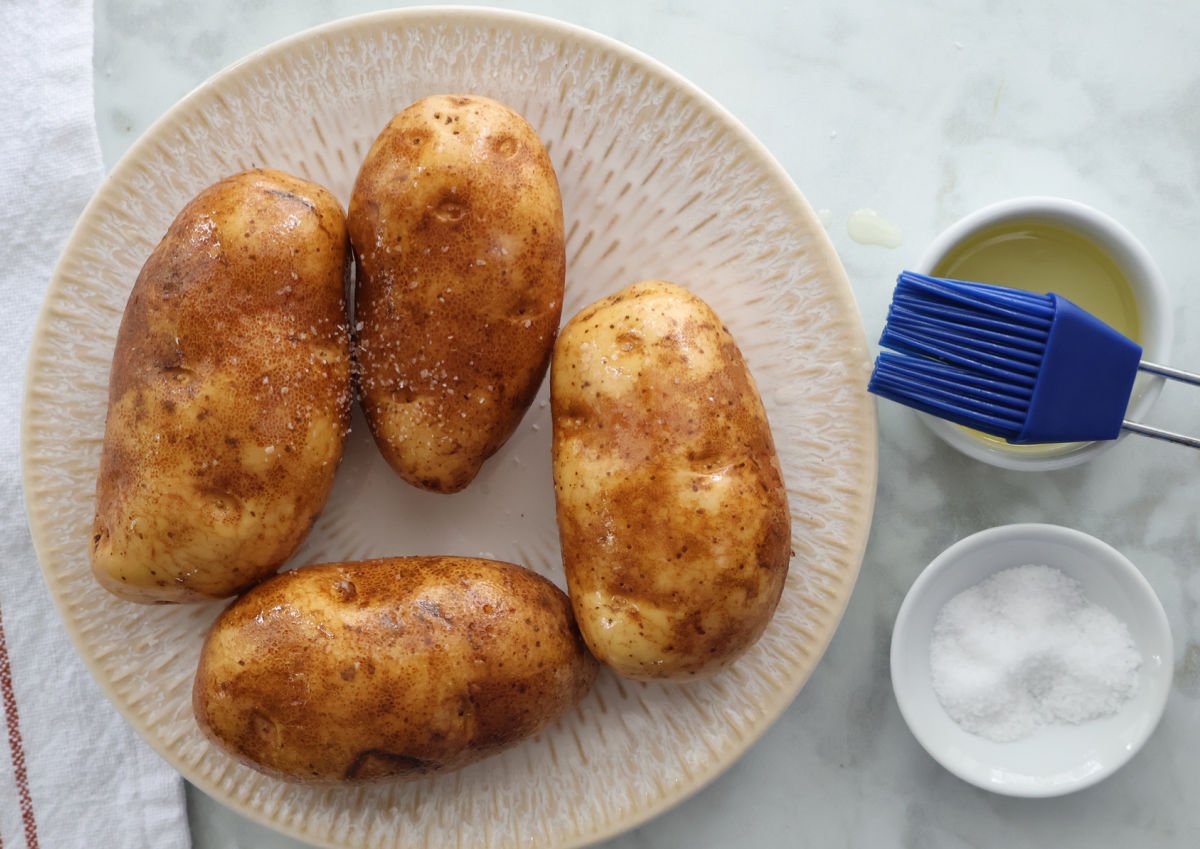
<point x="394" y="667"/>
<point x="457" y="228"/>
<point x="671" y="505"/>
<point x="229" y="394"/>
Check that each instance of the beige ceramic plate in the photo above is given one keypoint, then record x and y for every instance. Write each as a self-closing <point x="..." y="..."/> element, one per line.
<point x="657" y="181"/>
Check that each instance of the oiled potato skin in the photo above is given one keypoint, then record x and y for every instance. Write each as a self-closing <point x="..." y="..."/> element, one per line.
<point x="457" y="227"/>
<point x="229" y="394"/>
<point x="672" y="511"/>
<point x="392" y="667"/>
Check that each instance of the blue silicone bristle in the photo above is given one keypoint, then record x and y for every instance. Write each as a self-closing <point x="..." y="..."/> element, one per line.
<point x="1026" y="367"/>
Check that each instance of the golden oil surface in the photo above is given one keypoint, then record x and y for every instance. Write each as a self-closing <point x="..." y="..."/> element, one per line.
<point x="1042" y="257"/>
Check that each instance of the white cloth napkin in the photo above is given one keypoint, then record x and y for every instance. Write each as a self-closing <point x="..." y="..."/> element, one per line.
<point x="72" y="773"/>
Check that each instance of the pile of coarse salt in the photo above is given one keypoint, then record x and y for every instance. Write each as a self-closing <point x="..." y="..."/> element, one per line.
<point x="1026" y="648"/>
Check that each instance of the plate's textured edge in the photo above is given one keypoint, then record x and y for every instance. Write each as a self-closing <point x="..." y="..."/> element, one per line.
<point x="836" y="581"/>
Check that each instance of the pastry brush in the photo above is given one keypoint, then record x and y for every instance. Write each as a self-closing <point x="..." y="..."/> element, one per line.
<point x="1026" y="367"/>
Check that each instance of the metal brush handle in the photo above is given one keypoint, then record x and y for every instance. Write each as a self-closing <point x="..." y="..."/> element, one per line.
<point x="1172" y="373"/>
<point x="1159" y="433"/>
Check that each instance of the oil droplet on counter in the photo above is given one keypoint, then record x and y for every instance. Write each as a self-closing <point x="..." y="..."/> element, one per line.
<point x="866" y="227"/>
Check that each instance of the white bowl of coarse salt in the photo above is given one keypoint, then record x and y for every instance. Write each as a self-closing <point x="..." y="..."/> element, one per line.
<point x="1031" y="660"/>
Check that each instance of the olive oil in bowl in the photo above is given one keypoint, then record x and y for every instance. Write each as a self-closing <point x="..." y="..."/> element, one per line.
<point x="1041" y="256"/>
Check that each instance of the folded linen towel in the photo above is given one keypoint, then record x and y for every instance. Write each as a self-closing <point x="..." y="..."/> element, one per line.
<point x="72" y="773"/>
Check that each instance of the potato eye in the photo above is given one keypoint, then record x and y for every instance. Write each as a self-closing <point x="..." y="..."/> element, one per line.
<point x="505" y="146"/>
<point x="450" y="211"/>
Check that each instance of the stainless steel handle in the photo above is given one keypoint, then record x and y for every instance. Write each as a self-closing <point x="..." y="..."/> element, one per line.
<point x="1171" y="373"/>
<point x="1156" y="432"/>
<point x="1159" y="433"/>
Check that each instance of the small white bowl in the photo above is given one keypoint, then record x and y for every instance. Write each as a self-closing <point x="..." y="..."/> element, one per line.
<point x="1149" y="290"/>
<point x="1055" y="759"/>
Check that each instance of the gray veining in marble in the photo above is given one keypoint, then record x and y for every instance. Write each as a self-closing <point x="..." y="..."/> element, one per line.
<point x="922" y="111"/>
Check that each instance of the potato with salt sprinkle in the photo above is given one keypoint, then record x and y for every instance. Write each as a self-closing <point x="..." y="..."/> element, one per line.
<point x="229" y="395"/>
<point x="672" y="511"/>
<point x="387" y="668"/>
<point x="457" y="227"/>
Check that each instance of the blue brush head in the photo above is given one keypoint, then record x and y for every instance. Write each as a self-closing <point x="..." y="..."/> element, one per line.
<point x="1026" y="367"/>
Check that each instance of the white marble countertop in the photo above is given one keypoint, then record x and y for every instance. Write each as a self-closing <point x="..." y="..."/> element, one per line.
<point x="922" y="111"/>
